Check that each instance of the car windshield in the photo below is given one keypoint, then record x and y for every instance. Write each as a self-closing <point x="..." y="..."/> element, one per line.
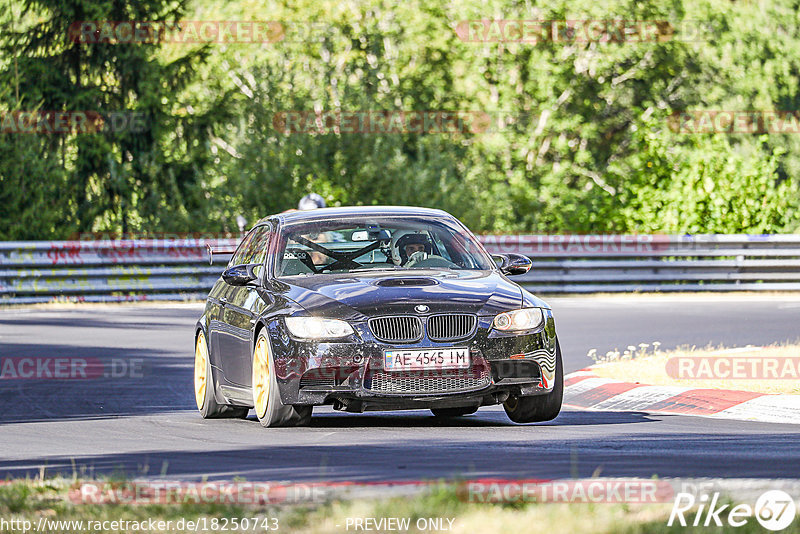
<point x="369" y="243"/>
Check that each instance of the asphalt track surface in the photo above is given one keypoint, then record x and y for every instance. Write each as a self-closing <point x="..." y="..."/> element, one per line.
<point x="145" y="424"/>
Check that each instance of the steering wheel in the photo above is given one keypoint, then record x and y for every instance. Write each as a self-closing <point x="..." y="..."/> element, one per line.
<point x="420" y="259"/>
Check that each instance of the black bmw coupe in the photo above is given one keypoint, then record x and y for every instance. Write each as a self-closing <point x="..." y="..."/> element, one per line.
<point x="373" y="308"/>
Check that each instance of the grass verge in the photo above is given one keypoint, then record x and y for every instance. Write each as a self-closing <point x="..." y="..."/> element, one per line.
<point x="26" y="500"/>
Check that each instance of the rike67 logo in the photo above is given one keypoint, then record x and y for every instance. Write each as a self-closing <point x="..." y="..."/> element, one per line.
<point x="774" y="510"/>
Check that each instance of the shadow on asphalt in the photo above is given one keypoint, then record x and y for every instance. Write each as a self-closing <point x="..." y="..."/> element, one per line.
<point x="481" y="419"/>
<point x="119" y="382"/>
<point x="541" y="455"/>
<point x="112" y="317"/>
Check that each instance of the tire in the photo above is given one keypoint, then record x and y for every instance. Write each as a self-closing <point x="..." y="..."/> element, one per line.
<point x="540" y="407"/>
<point x="204" y="388"/>
<point x="446" y="413"/>
<point x="271" y="412"/>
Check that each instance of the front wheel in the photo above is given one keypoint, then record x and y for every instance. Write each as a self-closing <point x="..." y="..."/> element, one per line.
<point x="540" y="407"/>
<point x="266" y="398"/>
<point x="204" y="386"/>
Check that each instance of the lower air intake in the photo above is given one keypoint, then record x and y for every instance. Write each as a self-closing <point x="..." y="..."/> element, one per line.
<point x="429" y="381"/>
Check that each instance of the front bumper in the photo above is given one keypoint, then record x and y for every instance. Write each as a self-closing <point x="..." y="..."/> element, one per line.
<point x="351" y="375"/>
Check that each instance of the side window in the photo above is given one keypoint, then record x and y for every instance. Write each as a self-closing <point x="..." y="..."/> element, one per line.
<point x="242" y="249"/>
<point x="253" y="248"/>
<point x="259" y="245"/>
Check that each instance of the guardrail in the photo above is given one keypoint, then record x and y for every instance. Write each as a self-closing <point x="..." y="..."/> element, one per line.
<point x="165" y="269"/>
<point x="617" y="263"/>
<point x="108" y="270"/>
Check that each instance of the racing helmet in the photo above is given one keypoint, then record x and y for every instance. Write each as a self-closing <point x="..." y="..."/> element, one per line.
<point x="402" y="239"/>
<point x="311" y="201"/>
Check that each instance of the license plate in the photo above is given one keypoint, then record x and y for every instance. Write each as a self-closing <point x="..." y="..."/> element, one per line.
<point x="419" y="359"/>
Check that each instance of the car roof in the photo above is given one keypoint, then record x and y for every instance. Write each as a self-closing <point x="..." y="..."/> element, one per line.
<point x="292" y="216"/>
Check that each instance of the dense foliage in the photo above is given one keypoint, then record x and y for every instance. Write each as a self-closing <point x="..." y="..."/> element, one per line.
<point x="579" y="138"/>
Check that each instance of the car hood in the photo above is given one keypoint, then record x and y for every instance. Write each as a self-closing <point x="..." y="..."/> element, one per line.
<point x="358" y="296"/>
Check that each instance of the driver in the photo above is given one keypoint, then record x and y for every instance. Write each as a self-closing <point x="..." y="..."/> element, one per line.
<point x="410" y="244"/>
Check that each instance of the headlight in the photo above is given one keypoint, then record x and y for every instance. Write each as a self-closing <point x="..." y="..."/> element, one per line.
<point x="524" y="319"/>
<point x="318" y="328"/>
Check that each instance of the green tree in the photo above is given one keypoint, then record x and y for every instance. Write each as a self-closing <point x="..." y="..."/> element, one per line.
<point x="114" y="179"/>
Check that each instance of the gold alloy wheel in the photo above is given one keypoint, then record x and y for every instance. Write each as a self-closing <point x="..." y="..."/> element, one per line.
<point x="200" y="369"/>
<point x="261" y="378"/>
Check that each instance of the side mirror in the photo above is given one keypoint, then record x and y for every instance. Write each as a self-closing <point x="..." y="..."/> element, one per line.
<point x="241" y="275"/>
<point x="512" y="264"/>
